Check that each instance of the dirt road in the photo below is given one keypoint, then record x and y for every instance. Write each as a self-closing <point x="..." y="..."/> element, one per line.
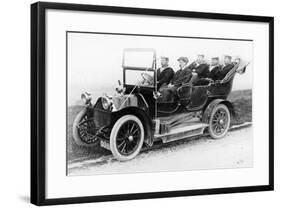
<point x="233" y="151"/>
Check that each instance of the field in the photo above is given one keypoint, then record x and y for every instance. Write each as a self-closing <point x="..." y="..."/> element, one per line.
<point x="241" y="99"/>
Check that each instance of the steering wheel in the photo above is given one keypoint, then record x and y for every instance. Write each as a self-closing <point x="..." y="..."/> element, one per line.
<point x="147" y="78"/>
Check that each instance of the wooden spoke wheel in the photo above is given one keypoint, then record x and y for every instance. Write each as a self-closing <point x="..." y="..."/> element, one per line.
<point x="219" y="121"/>
<point x="83" y="130"/>
<point x="126" y="138"/>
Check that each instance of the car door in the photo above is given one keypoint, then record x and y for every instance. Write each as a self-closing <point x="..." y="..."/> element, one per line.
<point x="198" y="97"/>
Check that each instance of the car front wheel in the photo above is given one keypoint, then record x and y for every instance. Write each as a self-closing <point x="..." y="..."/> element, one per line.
<point x="126" y="138"/>
<point x="83" y="130"/>
<point x="219" y="121"/>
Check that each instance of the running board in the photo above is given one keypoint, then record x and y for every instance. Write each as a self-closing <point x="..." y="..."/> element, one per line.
<point x="182" y="132"/>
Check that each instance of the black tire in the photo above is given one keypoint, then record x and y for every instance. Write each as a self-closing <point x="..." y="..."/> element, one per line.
<point x="219" y="122"/>
<point x="126" y="137"/>
<point x="81" y="130"/>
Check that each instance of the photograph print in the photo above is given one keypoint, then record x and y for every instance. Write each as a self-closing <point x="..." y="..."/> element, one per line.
<point x="140" y="103"/>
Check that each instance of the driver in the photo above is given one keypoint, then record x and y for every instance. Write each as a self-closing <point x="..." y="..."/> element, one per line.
<point x="165" y="73"/>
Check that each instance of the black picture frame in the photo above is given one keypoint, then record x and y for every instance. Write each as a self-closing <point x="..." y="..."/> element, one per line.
<point x="38" y="102"/>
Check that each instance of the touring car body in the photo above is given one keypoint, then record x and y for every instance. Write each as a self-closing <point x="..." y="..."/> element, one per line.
<point x="135" y="117"/>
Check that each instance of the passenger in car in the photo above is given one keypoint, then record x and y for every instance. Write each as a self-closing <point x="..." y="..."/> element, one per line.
<point x="165" y="73"/>
<point x="222" y="71"/>
<point x="242" y="67"/>
<point x="200" y="67"/>
<point x="237" y="67"/>
<point x="182" y="76"/>
<point x="215" y="69"/>
<point x="228" y="65"/>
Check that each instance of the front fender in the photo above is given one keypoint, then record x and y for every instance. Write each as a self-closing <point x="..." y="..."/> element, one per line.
<point x="208" y="110"/>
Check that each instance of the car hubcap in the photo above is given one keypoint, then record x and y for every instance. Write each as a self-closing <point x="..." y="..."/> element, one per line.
<point x="130" y="138"/>
<point x="221" y="121"/>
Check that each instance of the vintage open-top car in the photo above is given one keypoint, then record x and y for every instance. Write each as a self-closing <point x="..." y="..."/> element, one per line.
<point x="136" y="116"/>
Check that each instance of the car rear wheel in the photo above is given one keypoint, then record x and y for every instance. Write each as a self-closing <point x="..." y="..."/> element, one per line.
<point x="126" y="138"/>
<point x="219" y="121"/>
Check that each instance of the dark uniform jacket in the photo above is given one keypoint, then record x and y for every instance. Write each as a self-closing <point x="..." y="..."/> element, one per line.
<point x="202" y="69"/>
<point x="182" y="76"/>
<point x="225" y="69"/>
<point x="165" y="76"/>
<point x="214" y="73"/>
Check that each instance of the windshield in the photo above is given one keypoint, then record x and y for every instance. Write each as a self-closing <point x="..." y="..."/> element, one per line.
<point x="139" y="67"/>
<point x="141" y="78"/>
<point x="138" y="58"/>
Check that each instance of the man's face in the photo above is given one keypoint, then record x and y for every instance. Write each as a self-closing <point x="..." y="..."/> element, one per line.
<point x="237" y="60"/>
<point x="215" y="62"/>
<point x="164" y="62"/>
<point x="200" y="59"/>
<point x="227" y="60"/>
<point x="182" y="63"/>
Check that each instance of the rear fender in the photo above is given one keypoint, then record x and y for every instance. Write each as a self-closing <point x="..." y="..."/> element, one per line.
<point x="210" y="107"/>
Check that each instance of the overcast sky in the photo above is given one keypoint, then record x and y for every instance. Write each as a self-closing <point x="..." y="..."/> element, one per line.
<point x="95" y="60"/>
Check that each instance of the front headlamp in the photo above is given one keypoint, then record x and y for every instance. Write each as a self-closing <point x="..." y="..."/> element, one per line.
<point x="106" y="102"/>
<point x="86" y="97"/>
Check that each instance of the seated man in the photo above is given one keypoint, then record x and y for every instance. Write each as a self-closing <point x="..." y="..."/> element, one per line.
<point x="201" y="69"/>
<point x="182" y="76"/>
<point x="228" y="65"/>
<point x="237" y="67"/>
<point x="165" y="73"/>
<point x="242" y="67"/>
<point x="215" y="69"/>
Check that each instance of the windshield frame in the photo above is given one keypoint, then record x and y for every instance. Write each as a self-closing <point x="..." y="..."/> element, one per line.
<point x="144" y="69"/>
